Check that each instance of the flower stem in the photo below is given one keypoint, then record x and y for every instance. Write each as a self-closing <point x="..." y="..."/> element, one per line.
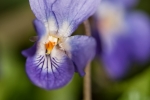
<point x="87" y="27"/>
<point x="87" y="78"/>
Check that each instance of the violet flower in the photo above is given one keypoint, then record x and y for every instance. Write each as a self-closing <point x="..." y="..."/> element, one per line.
<point x="123" y="37"/>
<point x="56" y="55"/>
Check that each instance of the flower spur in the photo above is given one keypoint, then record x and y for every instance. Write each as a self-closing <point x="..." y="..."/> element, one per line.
<point x="56" y="55"/>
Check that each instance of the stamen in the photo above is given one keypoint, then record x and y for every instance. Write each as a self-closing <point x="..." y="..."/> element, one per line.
<point x="52" y="41"/>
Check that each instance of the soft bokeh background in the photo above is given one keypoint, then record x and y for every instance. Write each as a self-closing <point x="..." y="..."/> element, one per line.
<point x="16" y="29"/>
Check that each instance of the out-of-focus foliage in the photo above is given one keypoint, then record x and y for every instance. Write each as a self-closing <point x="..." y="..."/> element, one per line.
<point x="16" y="29"/>
<point x="6" y="5"/>
<point x="143" y="5"/>
<point x="137" y="88"/>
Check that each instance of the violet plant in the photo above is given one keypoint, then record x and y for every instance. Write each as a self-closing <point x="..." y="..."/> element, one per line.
<point x="56" y="55"/>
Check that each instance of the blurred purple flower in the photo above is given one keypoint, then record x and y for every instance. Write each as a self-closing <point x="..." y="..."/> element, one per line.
<point x="56" y="55"/>
<point x="122" y="37"/>
<point x="126" y="3"/>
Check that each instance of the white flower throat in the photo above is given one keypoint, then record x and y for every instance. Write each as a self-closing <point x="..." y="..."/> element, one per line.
<point x="111" y="18"/>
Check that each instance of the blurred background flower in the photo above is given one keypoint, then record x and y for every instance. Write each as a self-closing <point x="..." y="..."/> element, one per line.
<point x="124" y="37"/>
<point x="16" y="28"/>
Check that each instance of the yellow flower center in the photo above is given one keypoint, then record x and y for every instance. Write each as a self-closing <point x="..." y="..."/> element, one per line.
<point x="49" y="45"/>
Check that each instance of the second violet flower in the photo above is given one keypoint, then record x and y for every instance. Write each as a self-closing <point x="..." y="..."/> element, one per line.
<point x="122" y="36"/>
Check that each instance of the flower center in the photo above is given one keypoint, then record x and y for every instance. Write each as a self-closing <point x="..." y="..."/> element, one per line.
<point x="111" y="18"/>
<point x="49" y="45"/>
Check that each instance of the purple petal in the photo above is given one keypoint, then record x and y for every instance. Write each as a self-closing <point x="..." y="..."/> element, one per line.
<point x="127" y="3"/>
<point x="81" y="50"/>
<point x="97" y="37"/>
<point x="43" y="12"/>
<point x="29" y="52"/>
<point x="140" y="28"/>
<point x="116" y="65"/>
<point x="39" y="27"/>
<point x="71" y="13"/>
<point x="117" y="61"/>
<point x="42" y="9"/>
<point x="50" y="71"/>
